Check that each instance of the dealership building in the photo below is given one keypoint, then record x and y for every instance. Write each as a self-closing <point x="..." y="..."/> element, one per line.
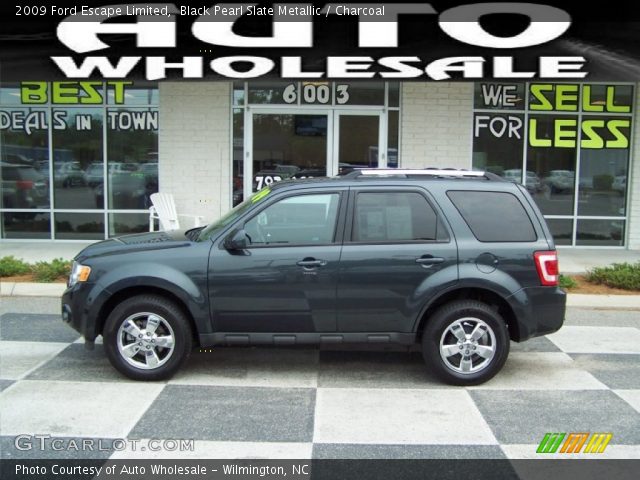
<point x="81" y="159"/>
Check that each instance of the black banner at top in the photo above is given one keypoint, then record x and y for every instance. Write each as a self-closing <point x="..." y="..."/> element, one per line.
<point x="320" y="40"/>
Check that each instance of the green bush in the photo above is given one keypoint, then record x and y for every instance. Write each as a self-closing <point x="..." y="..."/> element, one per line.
<point x="619" y="275"/>
<point x="51" y="271"/>
<point x="10" y="266"/>
<point x="567" y="282"/>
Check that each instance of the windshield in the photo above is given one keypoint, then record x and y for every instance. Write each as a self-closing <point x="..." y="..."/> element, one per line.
<point x="233" y="215"/>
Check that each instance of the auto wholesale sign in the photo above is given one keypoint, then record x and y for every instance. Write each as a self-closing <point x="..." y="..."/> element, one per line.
<point x="391" y="41"/>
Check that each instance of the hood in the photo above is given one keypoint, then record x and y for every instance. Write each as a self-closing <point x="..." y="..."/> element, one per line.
<point x="134" y="243"/>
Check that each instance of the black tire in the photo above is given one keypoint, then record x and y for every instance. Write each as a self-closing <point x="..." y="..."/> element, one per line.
<point x="173" y="323"/>
<point x="479" y="314"/>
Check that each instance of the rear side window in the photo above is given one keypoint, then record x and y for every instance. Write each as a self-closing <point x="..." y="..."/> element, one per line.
<point x="494" y="216"/>
<point x="395" y="217"/>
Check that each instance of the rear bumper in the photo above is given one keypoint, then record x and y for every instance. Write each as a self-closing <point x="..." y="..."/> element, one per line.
<point x="538" y="310"/>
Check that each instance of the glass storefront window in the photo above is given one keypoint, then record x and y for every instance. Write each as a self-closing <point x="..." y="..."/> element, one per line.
<point x="562" y="230"/>
<point x="268" y="92"/>
<point x="393" y="140"/>
<point x="77" y="148"/>
<point x="132" y="157"/>
<point x="363" y="93"/>
<point x="499" y="96"/>
<point x="237" y="181"/>
<point x="497" y="144"/>
<point x="19" y="225"/>
<point x="79" y="226"/>
<point x="126" y="223"/>
<point x="600" y="233"/>
<point x="394" y="94"/>
<point x="70" y="170"/>
<point x="288" y="146"/>
<point x="551" y="156"/>
<point x="576" y="153"/>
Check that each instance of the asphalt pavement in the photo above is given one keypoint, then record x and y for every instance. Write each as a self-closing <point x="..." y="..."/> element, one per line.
<point x="310" y="403"/>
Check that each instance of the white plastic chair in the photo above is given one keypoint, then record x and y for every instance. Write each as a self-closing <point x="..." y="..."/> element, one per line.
<point x="163" y="209"/>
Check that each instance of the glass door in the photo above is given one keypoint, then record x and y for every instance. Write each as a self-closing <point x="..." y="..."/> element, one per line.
<point x="284" y="145"/>
<point x="359" y="140"/>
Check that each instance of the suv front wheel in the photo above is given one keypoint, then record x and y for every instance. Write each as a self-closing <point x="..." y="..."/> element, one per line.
<point x="465" y="342"/>
<point x="147" y="337"/>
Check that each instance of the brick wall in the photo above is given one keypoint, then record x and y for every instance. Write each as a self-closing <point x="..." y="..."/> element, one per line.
<point x="194" y="147"/>
<point x="436" y="124"/>
<point x="634" y="181"/>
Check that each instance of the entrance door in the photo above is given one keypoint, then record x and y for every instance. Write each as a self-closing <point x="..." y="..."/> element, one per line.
<point x="358" y="140"/>
<point x="286" y="144"/>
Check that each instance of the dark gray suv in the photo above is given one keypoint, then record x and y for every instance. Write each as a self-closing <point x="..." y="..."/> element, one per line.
<point x="457" y="261"/>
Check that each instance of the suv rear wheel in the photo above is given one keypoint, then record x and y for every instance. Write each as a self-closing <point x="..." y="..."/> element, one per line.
<point x="147" y="337"/>
<point x="466" y="342"/>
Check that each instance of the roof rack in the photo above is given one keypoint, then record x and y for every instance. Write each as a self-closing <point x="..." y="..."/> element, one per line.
<point x="430" y="172"/>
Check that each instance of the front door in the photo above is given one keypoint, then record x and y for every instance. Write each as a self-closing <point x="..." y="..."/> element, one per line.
<point x="285" y="281"/>
<point x="397" y="253"/>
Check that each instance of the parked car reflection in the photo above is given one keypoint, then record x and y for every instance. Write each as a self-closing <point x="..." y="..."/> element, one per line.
<point x="23" y="187"/>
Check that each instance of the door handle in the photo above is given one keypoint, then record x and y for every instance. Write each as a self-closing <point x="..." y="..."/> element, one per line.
<point x="428" y="260"/>
<point x="311" y="263"/>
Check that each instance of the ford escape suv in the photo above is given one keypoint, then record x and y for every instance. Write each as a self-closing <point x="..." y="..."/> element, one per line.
<point x="458" y="261"/>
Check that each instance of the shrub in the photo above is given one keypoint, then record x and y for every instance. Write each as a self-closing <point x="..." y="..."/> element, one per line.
<point x="51" y="271"/>
<point x="619" y="275"/>
<point x="10" y="266"/>
<point x="567" y="282"/>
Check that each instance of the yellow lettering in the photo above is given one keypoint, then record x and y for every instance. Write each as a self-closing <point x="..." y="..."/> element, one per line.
<point x="565" y="138"/>
<point x="534" y="141"/>
<point x="586" y="101"/>
<point x="621" y="140"/>
<point x="33" y="92"/>
<point x="590" y="138"/>
<point x="567" y="98"/>
<point x="611" y="107"/>
<point x="65" y="92"/>
<point x="537" y="90"/>
<point x="118" y="90"/>
<point x="93" y="95"/>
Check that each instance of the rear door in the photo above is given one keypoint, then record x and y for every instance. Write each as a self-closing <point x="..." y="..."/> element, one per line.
<point x="398" y="253"/>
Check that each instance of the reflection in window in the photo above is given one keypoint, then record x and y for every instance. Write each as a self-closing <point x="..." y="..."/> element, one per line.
<point x="603" y="171"/>
<point x="551" y="156"/>
<point x="77" y="147"/>
<point x="126" y="223"/>
<point x="268" y="92"/>
<point x="561" y="230"/>
<point x="24" y="154"/>
<point x="603" y="233"/>
<point x="26" y="225"/>
<point x="497" y="144"/>
<point x="300" y="220"/>
<point x="394" y="217"/>
<point x="393" y="119"/>
<point x="79" y="226"/>
<point x="132" y="157"/>
<point x="237" y="182"/>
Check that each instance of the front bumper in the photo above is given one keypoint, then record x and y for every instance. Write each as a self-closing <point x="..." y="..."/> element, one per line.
<point x="80" y="307"/>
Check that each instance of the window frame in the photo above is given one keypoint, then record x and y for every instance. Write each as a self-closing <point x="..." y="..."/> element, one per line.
<point x="338" y="232"/>
<point x="351" y="216"/>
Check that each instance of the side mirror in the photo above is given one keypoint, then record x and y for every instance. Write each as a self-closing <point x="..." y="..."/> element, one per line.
<point x="238" y="240"/>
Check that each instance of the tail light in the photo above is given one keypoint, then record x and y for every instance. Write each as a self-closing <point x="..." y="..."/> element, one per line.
<point x="547" y="266"/>
<point x="24" y="184"/>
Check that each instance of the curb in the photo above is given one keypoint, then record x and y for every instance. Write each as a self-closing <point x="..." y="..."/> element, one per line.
<point x="17" y="289"/>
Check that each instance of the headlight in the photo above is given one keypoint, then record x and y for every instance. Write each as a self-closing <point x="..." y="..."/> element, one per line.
<point x="79" y="273"/>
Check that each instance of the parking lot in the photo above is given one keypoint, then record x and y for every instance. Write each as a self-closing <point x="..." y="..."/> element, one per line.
<point x="310" y="403"/>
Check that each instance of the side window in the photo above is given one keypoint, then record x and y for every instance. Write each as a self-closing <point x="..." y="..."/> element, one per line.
<point x="299" y="220"/>
<point x="494" y="216"/>
<point x="395" y="217"/>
